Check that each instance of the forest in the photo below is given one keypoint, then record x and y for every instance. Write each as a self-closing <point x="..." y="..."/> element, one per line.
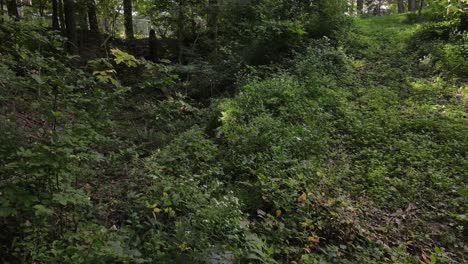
<point x="233" y="131"/>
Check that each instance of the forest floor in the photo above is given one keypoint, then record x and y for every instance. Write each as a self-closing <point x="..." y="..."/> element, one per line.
<point x="423" y="113"/>
<point x="391" y="135"/>
<point x="395" y="144"/>
<point x="355" y="153"/>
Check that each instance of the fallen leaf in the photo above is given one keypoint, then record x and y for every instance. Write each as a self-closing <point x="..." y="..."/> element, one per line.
<point x="302" y="198"/>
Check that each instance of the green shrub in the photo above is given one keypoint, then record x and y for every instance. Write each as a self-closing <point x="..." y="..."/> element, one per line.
<point x="441" y="46"/>
<point x="189" y="202"/>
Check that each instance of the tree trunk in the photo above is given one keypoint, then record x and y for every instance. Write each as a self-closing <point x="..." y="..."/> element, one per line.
<point x="411" y="5"/>
<point x="360" y="6"/>
<point x="92" y="17"/>
<point x="42" y="7"/>
<point x="153" y="45"/>
<point x="55" y="19"/>
<point x="106" y="25"/>
<point x="61" y="15"/>
<point x="70" y="22"/>
<point x="463" y="21"/>
<point x="421" y="5"/>
<point x="1" y="10"/>
<point x="351" y="10"/>
<point x="213" y="23"/>
<point x="180" y="31"/>
<point x="128" y="19"/>
<point x="401" y="6"/>
<point x="82" y="18"/>
<point x="379" y="8"/>
<point x="12" y="8"/>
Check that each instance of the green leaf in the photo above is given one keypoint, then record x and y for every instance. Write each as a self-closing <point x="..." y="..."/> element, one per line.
<point x="41" y="210"/>
<point x="463" y="192"/>
<point x="7" y="211"/>
<point x="125" y="58"/>
<point x="37" y="78"/>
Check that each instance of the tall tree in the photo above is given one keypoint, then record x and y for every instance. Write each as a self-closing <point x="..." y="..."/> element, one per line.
<point x="371" y="7"/>
<point x="411" y="5"/>
<point x="12" y="8"/>
<point x="360" y="6"/>
<point x="41" y="6"/>
<point x="153" y="45"/>
<point x="378" y="7"/>
<point x="81" y="11"/>
<point x="351" y="10"/>
<point x="61" y="15"/>
<point x="55" y="16"/>
<point x="70" y="25"/>
<point x="212" y="22"/>
<point x="421" y="5"/>
<point x="128" y="17"/>
<point x="1" y="10"/>
<point x="401" y="6"/>
<point x="92" y="17"/>
<point x="180" y="30"/>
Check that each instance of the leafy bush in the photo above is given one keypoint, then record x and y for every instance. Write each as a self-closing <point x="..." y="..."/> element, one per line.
<point x="442" y="45"/>
<point x="436" y="31"/>
<point x="60" y="116"/>
<point x="187" y="209"/>
<point x="265" y="31"/>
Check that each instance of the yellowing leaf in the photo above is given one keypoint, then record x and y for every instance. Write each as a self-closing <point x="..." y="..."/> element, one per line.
<point x="183" y="247"/>
<point x="314" y="239"/>
<point x="302" y="198"/>
<point x="278" y="213"/>
<point x="125" y="58"/>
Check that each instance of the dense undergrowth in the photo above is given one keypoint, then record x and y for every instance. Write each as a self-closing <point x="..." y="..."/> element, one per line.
<point x="356" y="154"/>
